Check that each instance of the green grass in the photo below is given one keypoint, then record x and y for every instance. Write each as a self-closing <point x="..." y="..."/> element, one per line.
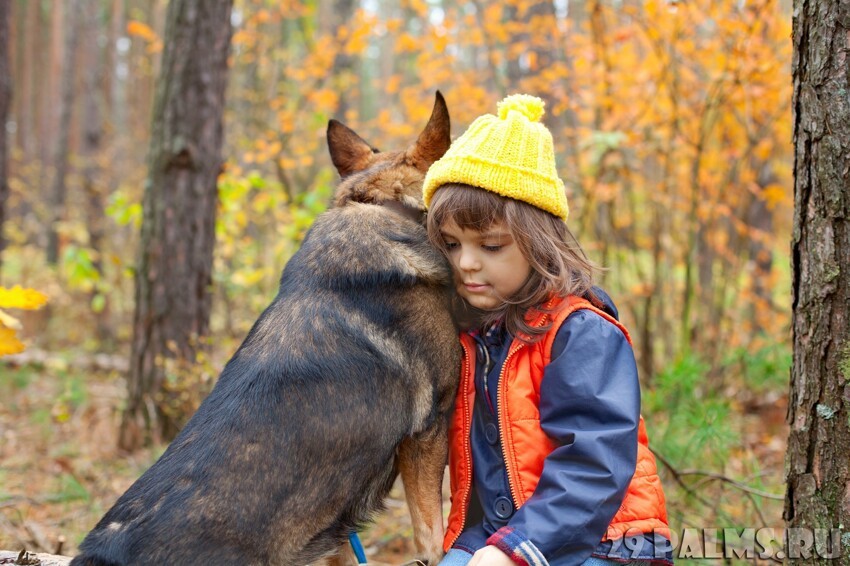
<point x="68" y="489"/>
<point x="16" y="379"/>
<point x="763" y="370"/>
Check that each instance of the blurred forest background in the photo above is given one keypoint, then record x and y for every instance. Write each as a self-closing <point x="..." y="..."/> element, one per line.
<point x="672" y="124"/>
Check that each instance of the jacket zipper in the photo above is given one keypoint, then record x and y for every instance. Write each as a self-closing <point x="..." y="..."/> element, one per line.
<point x="503" y="412"/>
<point x="467" y="451"/>
<point x="501" y="419"/>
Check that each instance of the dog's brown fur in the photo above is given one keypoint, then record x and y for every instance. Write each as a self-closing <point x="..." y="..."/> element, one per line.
<point x="345" y="381"/>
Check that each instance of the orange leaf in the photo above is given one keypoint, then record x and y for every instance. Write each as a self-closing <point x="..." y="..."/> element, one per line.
<point x="325" y="99"/>
<point x="406" y="43"/>
<point x="9" y="343"/>
<point x="774" y="195"/>
<point x="141" y="29"/>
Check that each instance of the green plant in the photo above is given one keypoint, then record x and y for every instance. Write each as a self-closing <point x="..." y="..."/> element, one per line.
<point x="766" y="369"/>
<point x="68" y="489"/>
<point x="690" y="422"/>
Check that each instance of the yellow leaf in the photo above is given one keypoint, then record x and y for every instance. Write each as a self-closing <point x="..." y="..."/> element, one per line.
<point x="406" y="43"/>
<point x="392" y="84"/>
<point x="287" y="163"/>
<point x="243" y="37"/>
<point x="774" y="194"/>
<point x="764" y="149"/>
<point x="141" y="29"/>
<point x="263" y="16"/>
<point x="326" y="99"/>
<point x="19" y="298"/>
<point x="359" y="35"/>
<point x="9" y="321"/>
<point x="9" y="343"/>
<point x="61" y="412"/>
<point x="154" y="47"/>
<point x="642" y="289"/>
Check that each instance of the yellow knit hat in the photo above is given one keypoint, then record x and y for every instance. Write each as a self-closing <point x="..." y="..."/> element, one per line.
<point x="511" y="155"/>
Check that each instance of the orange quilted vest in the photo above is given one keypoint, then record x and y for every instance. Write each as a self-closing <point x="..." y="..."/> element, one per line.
<point x="526" y="445"/>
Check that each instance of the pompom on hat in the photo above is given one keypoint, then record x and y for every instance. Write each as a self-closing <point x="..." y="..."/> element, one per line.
<point x="511" y="154"/>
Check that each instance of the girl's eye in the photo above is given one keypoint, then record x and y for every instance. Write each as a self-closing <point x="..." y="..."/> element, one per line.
<point x="492" y="248"/>
<point x="451" y="245"/>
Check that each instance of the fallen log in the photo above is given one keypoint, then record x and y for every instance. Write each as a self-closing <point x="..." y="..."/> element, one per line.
<point x="22" y="557"/>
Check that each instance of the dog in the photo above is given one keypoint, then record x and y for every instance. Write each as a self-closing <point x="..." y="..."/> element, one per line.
<point x="344" y="382"/>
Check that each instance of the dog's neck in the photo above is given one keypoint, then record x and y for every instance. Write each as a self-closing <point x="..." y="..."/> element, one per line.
<point x="405" y="210"/>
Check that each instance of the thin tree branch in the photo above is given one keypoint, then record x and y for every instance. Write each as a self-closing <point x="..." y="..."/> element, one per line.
<point x="679" y="475"/>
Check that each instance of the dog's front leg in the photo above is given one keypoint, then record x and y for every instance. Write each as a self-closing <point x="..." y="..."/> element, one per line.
<point x="422" y="462"/>
<point x="343" y="557"/>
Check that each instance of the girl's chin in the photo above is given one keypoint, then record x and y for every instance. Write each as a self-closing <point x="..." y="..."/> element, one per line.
<point x="481" y="302"/>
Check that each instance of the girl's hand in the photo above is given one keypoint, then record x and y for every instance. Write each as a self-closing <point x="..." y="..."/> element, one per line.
<point x="490" y="556"/>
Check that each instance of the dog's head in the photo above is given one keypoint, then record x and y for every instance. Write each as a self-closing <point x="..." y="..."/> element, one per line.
<point x="376" y="177"/>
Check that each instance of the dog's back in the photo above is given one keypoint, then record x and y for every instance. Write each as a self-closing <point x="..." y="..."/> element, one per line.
<point x="296" y="445"/>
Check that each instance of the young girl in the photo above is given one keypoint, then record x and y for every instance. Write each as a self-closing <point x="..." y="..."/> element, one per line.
<point x="548" y="456"/>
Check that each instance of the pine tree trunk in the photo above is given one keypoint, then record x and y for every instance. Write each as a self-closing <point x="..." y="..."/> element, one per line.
<point x="117" y="83"/>
<point x="5" y="99"/>
<point x="26" y="21"/>
<point x="178" y="228"/>
<point x="63" y="136"/>
<point x="817" y="463"/>
<point x="94" y="188"/>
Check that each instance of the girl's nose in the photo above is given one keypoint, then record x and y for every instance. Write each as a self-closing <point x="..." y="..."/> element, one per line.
<point x="468" y="261"/>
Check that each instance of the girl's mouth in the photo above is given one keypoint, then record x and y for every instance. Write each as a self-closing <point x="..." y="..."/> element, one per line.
<point x="475" y="287"/>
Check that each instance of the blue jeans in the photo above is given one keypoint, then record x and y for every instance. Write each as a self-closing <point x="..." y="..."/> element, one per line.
<point x="457" y="557"/>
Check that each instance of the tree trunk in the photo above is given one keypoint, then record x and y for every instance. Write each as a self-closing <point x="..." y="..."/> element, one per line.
<point x="26" y="21"/>
<point x="818" y="469"/>
<point x="93" y="182"/>
<point x="5" y="99"/>
<point x="760" y="218"/>
<point x="60" y="156"/>
<point x="178" y="228"/>
<point x="116" y="83"/>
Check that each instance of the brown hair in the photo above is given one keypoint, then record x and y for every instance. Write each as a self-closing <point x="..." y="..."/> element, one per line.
<point x="559" y="267"/>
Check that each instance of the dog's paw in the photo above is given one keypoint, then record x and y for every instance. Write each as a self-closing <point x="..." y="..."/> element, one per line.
<point x="430" y="560"/>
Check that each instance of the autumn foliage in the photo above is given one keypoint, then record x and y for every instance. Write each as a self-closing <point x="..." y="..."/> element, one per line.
<point x="671" y="119"/>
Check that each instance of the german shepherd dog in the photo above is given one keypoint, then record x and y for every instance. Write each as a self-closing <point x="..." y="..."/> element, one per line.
<point x="345" y="381"/>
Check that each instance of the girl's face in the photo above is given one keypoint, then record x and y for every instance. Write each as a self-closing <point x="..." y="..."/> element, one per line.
<point x="488" y="265"/>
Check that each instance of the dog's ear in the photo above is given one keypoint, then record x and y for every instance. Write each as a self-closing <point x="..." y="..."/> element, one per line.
<point x="434" y="140"/>
<point x="349" y="152"/>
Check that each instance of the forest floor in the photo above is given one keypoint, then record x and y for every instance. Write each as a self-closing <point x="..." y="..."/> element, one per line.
<point x="61" y="470"/>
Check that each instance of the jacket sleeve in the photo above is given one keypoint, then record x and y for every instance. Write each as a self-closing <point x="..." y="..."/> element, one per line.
<point x="590" y="405"/>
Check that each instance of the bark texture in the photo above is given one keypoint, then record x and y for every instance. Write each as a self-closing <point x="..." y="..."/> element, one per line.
<point x="178" y="228"/>
<point x="817" y="463"/>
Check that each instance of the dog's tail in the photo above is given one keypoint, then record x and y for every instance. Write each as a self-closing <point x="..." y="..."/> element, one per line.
<point x="86" y="559"/>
